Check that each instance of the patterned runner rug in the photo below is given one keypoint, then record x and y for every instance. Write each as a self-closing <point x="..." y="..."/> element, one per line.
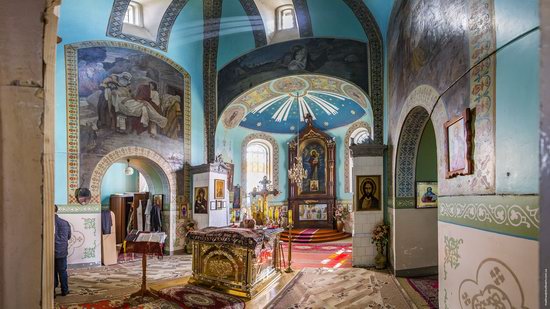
<point x="341" y="288"/>
<point x="423" y="291"/>
<point x="191" y="296"/>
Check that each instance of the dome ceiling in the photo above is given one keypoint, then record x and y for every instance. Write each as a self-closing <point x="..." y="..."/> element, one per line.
<point x="280" y="105"/>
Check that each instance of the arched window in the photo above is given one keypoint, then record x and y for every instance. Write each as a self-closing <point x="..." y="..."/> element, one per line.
<point x="286" y="19"/>
<point x="358" y="136"/>
<point x="134" y="14"/>
<point x="259" y="163"/>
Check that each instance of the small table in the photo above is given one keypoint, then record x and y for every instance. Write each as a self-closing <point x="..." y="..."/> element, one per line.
<point x="144" y="247"/>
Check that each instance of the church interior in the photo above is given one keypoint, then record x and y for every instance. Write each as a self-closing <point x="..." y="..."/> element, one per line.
<point x="275" y="153"/>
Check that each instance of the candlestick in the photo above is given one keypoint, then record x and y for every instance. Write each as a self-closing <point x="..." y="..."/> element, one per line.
<point x="290" y="217"/>
<point x="289" y="269"/>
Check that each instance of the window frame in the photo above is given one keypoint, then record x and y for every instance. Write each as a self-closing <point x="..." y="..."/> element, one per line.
<point x="279" y="17"/>
<point x="137" y="8"/>
<point x="269" y="159"/>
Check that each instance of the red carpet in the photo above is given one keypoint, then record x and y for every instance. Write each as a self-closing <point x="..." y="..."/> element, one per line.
<point x="191" y="296"/>
<point x="427" y="287"/>
<point x="328" y="255"/>
<point x="314" y="235"/>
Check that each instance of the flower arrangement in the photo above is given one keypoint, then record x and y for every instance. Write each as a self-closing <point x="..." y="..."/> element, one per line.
<point x="380" y="235"/>
<point x="341" y="213"/>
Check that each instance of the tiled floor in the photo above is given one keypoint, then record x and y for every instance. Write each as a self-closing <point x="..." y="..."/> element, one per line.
<point x="89" y="285"/>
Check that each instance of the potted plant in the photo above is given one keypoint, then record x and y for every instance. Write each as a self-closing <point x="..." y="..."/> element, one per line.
<point x="380" y="237"/>
<point x="341" y="215"/>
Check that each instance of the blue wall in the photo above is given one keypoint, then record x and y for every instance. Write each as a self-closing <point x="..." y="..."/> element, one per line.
<point x="115" y="181"/>
<point x="517" y="95"/>
<point x="334" y="19"/>
<point x="236" y="37"/>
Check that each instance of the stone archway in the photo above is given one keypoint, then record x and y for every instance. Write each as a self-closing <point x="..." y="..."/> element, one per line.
<point x="159" y="164"/>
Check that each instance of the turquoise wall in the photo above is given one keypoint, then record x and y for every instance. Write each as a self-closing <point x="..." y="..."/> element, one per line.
<point x="185" y="48"/>
<point x="115" y="181"/>
<point x="232" y="152"/>
<point x="517" y="95"/>
<point x="236" y="37"/>
<point x="334" y="19"/>
<point x="426" y="158"/>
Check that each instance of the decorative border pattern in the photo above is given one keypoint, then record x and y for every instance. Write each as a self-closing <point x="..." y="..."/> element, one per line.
<point x="256" y="22"/>
<point x="304" y="20"/>
<point x="510" y="215"/>
<point x="79" y="209"/>
<point x="376" y="92"/>
<point x="407" y="149"/>
<point x="212" y="11"/>
<point x="347" y="153"/>
<point x="73" y="148"/>
<point x="268" y="138"/>
<point x="116" y="23"/>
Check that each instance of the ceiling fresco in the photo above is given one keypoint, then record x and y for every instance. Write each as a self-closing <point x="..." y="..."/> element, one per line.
<point x="280" y="105"/>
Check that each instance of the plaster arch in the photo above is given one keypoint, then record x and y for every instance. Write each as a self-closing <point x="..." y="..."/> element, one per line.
<point x="159" y="165"/>
<point x="412" y="120"/>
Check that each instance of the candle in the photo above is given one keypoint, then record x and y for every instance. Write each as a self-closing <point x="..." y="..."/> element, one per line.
<point x="277" y="213"/>
<point x="290" y="216"/>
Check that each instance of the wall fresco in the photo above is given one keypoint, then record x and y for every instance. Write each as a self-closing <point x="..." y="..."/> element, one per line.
<point x="346" y="59"/>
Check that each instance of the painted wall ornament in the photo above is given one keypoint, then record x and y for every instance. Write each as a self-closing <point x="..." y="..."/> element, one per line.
<point x="452" y="245"/>
<point x="495" y="286"/>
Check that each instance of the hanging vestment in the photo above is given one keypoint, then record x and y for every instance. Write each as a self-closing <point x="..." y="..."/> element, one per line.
<point x="156" y="221"/>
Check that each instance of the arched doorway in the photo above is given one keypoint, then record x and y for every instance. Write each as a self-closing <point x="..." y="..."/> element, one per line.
<point x="414" y="249"/>
<point x="163" y="181"/>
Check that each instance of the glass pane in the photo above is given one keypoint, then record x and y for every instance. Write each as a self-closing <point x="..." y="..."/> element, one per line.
<point x="287" y="19"/>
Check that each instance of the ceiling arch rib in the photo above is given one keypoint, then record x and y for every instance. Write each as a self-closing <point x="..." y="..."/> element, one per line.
<point x="158" y="19"/>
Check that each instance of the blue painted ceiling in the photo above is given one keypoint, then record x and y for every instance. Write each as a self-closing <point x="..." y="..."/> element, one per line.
<point x="281" y="105"/>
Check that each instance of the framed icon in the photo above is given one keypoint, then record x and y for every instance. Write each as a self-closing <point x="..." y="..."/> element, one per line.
<point x="219" y="189"/>
<point x="212" y="205"/>
<point x="367" y="193"/>
<point x="426" y="194"/>
<point x="458" y="145"/>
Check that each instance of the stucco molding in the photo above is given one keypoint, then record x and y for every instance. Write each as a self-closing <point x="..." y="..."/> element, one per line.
<point x="275" y="148"/>
<point x="116" y="23"/>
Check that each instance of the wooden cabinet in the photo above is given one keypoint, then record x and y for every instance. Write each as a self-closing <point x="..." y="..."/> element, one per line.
<point x="121" y="205"/>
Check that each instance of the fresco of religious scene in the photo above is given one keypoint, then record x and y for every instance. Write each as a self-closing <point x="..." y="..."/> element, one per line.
<point x="443" y="43"/>
<point x="342" y="58"/>
<point x="128" y="98"/>
<point x="314" y="160"/>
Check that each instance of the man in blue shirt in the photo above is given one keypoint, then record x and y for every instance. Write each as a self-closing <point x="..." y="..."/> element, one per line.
<point x="62" y="236"/>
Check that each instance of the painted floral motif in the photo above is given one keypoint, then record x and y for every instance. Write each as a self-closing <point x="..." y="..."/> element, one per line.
<point x="89" y="252"/>
<point x="89" y="224"/>
<point x="510" y="215"/>
<point x="452" y="245"/>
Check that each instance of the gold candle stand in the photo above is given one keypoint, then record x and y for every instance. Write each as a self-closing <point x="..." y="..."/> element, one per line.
<point x="289" y="269"/>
